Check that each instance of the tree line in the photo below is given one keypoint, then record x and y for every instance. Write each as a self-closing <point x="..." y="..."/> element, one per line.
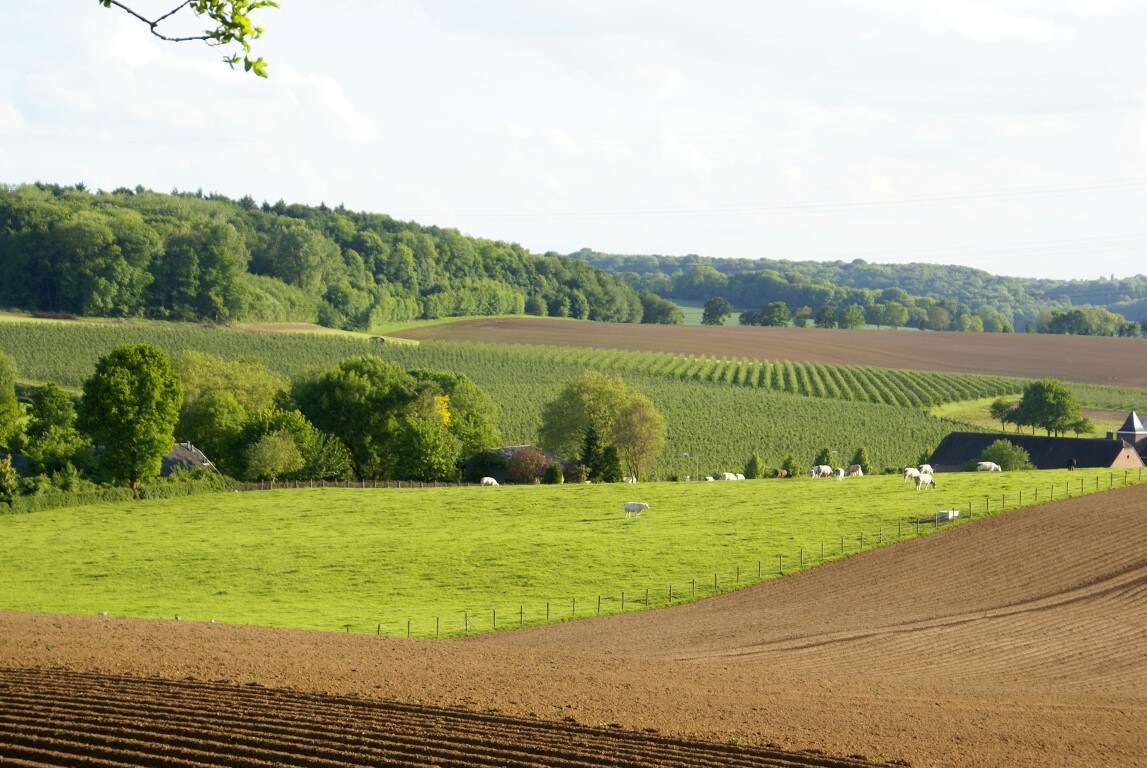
<point x="363" y="418"/>
<point x="206" y="258"/>
<point x="926" y="296"/>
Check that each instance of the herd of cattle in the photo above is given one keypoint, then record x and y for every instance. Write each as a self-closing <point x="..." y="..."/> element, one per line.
<point x="922" y="476"/>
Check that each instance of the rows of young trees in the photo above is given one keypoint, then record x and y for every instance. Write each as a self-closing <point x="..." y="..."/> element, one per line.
<point x="927" y="296"/>
<point x="181" y="256"/>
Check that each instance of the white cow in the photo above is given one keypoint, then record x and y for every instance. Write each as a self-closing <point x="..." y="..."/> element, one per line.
<point x="855" y="469"/>
<point x="634" y="508"/>
<point x="487" y="481"/>
<point x="988" y="466"/>
<point x="728" y="476"/>
<point x="708" y="478"/>
<point x="840" y="473"/>
<point x="820" y="470"/>
<point x="740" y="476"/>
<point x="628" y="479"/>
<point x="926" y="469"/>
<point x="911" y="472"/>
<point x="925" y="480"/>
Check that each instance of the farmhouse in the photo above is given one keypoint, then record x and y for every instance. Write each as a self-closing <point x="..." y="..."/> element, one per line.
<point x="1133" y="432"/>
<point x="959" y="448"/>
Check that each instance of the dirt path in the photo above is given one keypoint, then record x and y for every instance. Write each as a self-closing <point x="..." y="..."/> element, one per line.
<point x="1089" y="359"/>
<point x="1019" y="640"/>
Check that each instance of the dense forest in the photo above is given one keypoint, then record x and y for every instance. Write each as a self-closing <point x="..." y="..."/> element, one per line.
<point x="934" y="296"/>
<point x="196" y="257"/>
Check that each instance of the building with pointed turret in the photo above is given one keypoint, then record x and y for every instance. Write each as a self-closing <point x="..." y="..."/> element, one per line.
<point x="1132" y="432"/>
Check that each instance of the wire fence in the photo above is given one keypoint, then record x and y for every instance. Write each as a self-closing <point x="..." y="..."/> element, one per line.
<point x="774" y="565"/>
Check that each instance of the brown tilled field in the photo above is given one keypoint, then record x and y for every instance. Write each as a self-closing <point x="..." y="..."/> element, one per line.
<point x="1018" y="640"/>
<point x="1089" y="359"/>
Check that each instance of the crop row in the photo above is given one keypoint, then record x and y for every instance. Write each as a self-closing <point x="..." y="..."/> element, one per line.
<point x="66" y="353"/>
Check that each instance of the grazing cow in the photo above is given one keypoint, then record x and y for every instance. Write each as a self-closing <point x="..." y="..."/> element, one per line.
<point x="628" y="479"/>
<point x="926" y="469"/>
<point x="781" y="473"/>
<point x="925" y="480"/>
<point x="855" y="469"/>
<point x="708" y="478"/>
<point x="740" y="476"/>
<point x="728" y="476"/>
<point x="840" y="473"/>
<point x="487" y="481"/>
<point x="911" y="472"/>
<point x="634" y="508"/>
<point x="1071" y="464"/>
<point x="820" y="470"/>
<point x="988" y="466"/>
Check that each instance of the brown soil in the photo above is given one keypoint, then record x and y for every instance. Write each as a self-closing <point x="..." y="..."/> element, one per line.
<point x="1017" y="640"/>
<point x="1089" y="359"/>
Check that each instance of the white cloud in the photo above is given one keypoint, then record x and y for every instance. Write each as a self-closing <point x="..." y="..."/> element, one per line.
<point x="978" y="20"/>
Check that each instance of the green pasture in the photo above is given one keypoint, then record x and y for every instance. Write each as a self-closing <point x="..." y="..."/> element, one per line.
<point x="447" y="558"/>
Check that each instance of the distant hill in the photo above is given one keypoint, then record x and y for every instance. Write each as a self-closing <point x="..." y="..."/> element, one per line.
<point x="963" y="293"/>
<point x="187" y="256"/>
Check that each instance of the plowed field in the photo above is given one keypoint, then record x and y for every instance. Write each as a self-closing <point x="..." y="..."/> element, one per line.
<point x="1087" y="359"/>
<point x="1018" y="640"/>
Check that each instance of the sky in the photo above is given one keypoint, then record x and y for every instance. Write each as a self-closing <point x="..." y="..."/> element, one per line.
<point x="1006" y="135"/>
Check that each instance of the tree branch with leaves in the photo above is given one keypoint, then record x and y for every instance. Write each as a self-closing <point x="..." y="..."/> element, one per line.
<point x="232" y="26"/>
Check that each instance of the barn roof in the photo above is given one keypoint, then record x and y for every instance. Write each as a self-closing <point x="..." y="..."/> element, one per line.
<point x="1133" y="425"/>
<point x="184" y="455"/>
<point x="958" y="448"/>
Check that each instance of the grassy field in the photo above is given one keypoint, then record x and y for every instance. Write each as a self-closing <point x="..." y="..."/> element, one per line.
<point x="349" y="558"/>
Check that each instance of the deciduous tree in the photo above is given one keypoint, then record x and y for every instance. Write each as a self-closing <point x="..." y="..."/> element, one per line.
<point x="232" y="26"/>
<point x="1001" y="409"/>
<point x="129" y="409"/>
<point x="273" y="456"/>
<point x="1049" y="405"/>
<point x="716" y="310"/>
<point x="1008" y="455"/>
<point x="639" y="436"/>
<point x="9" y="406"/>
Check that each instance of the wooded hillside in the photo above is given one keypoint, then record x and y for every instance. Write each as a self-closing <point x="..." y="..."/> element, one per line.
<point x="937" y="296"/>
<point x="186" y="256"/>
